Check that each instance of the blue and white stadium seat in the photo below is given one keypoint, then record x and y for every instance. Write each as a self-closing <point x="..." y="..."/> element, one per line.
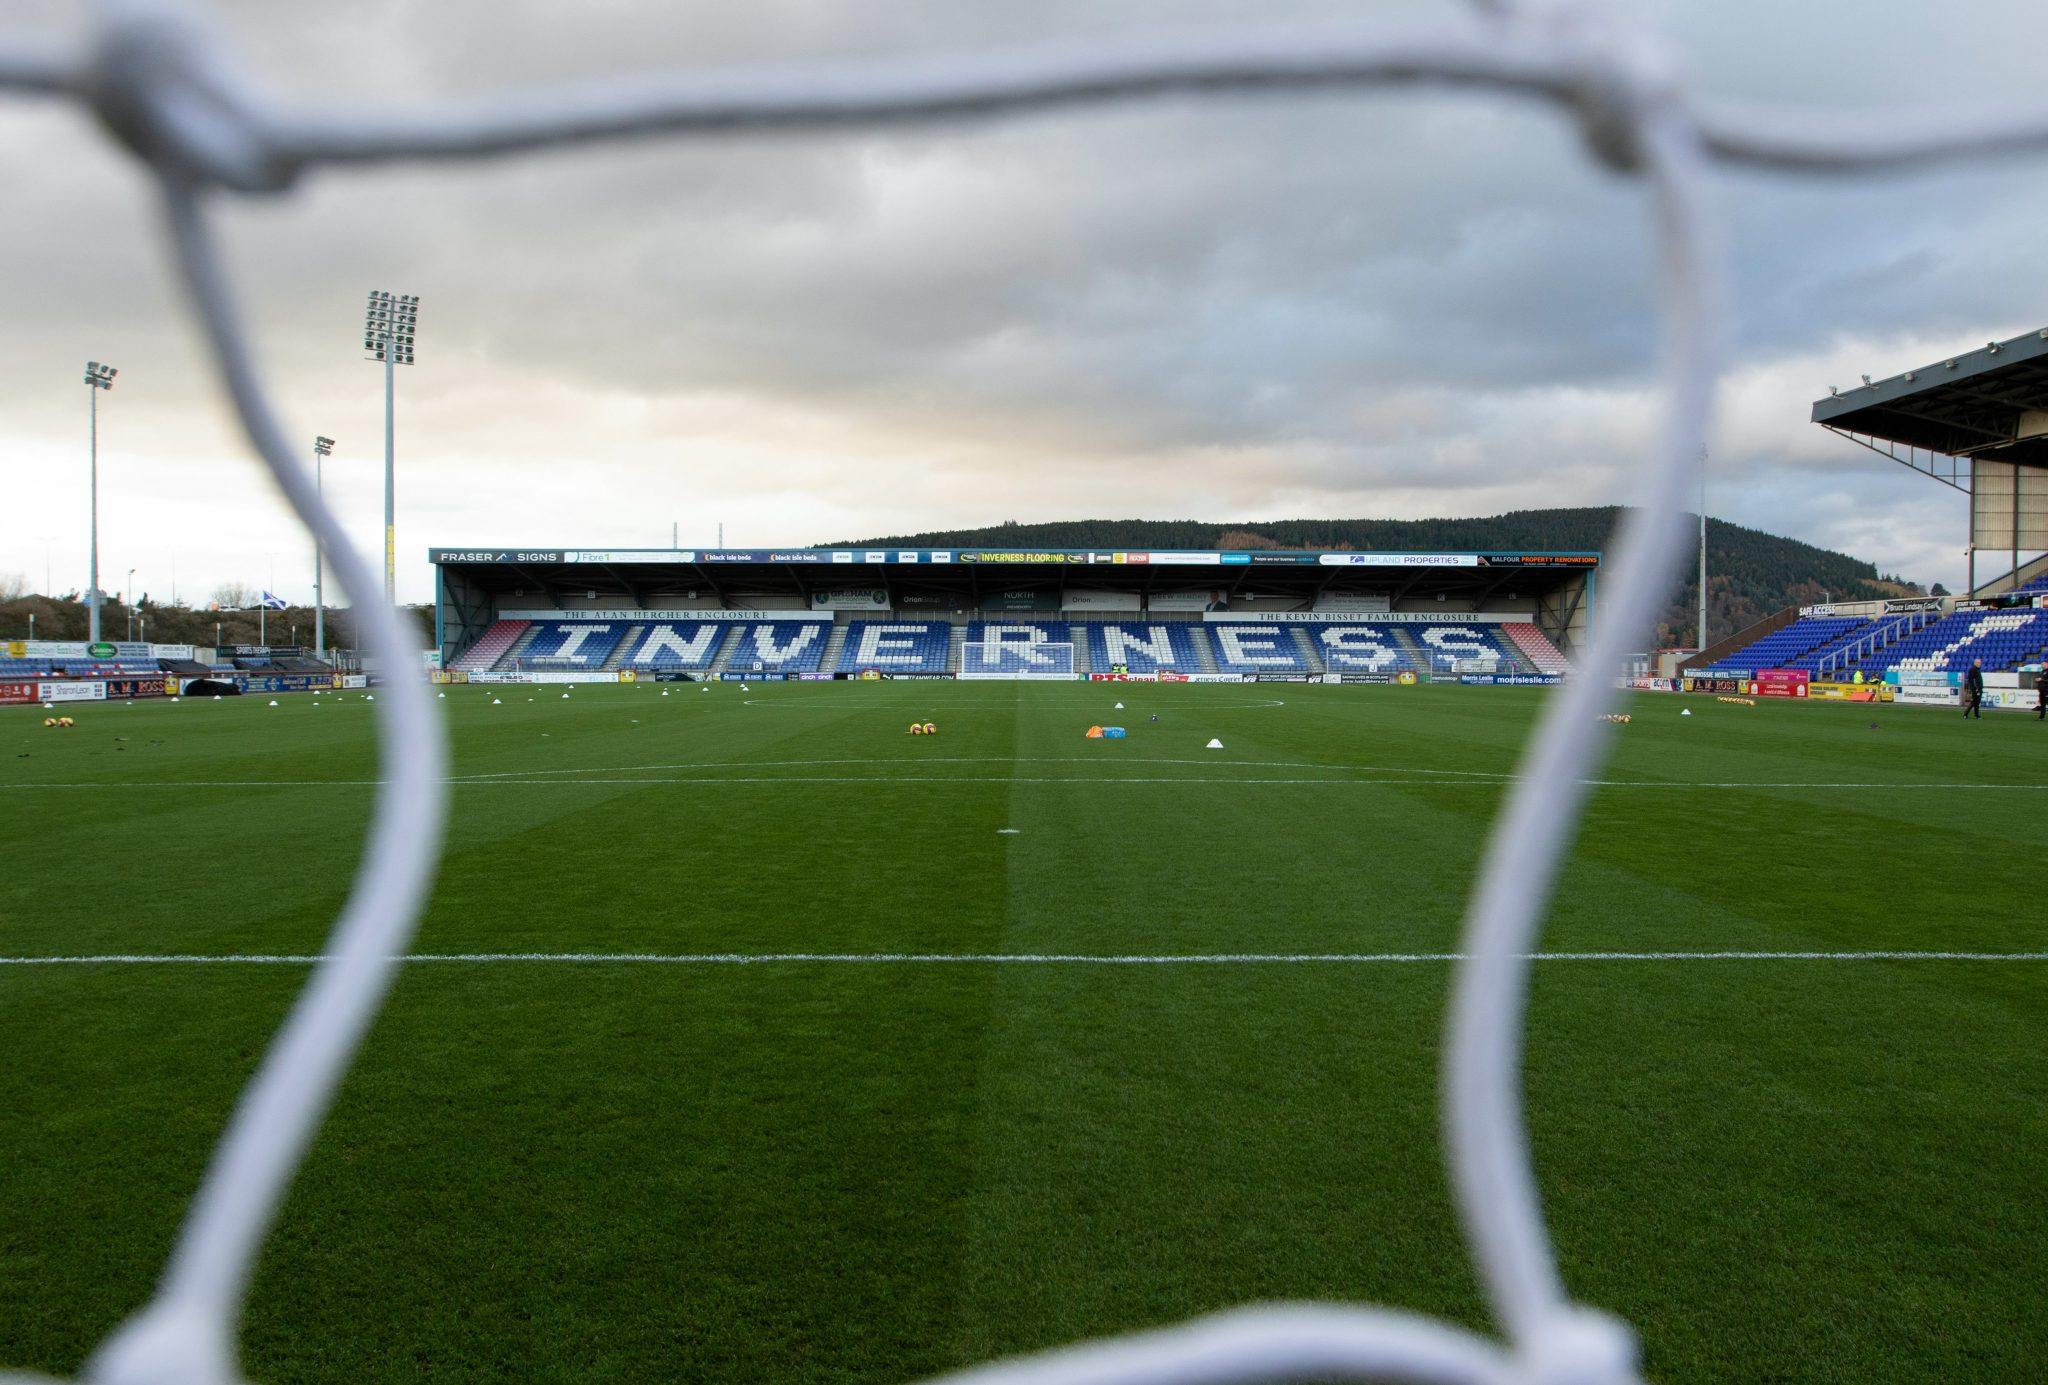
<point x="573" y="644"/>
<point x="896" y="646"/>
<point x="1786" y="646"/>
<point x="677" y="644"/>
<point x="1446" y="644"/>
<point x="780" y="646"/>
<point x="1143" y="647"/>
<point x="1018" y="646"/>
<point x="2002" y="639"/>
<point x="1361" y="648"/>
<point x="1248" y="647"/>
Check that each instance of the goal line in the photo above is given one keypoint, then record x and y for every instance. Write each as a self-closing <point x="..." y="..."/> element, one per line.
<point x="1106" y="959"/>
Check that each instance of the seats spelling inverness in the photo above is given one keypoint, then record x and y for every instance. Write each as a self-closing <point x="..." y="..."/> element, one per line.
<point x="1143" y="647"/>
<point x="779" y="646"/>
<point x="573" y="644"/>
<point x="686" y="644"/>
<point x="1250" y="648"/>
<point x="896" y="646"/>
<point x="1018" y="646"/>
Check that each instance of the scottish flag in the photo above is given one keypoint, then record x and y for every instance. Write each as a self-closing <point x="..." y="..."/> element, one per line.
<point x="273" y="603"/>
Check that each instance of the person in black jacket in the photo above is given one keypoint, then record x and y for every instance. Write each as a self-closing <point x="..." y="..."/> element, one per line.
<point x="2041" y="695"/>
<point x="1973" y="690"/>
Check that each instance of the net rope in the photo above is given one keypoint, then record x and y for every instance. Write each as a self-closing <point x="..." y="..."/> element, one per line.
<point x="160" y="80"/>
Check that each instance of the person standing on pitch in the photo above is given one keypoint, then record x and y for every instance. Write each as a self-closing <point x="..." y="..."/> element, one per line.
<point x="2041" y="694"/>
<point x="1973" y="690"/>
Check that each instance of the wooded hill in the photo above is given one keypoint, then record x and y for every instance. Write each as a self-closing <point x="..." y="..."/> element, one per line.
<point x="1750" y="573"/>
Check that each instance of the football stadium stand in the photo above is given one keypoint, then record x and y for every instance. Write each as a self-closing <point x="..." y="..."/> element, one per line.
<point x="1535" y="646"/>
<point x="677" y="644"/>
<point x="1014" y="648"/>
<point x="897" y="646"/>
<point x="1365" y="648"/>
<point x="1447" y="645"/>
<point x="496" y="643"/>
<point x="1018" y="646"/>
<point x="777" y="646"/>
<point x="102" y="668"/>
<point x="1280" y="614"/>
<point x="1143" y="646"/>
<point x="1788" y="644"/>
<point x="572" y="644"/>
<point x="1246" y="648"/>
<point x="1923" y="640"/>
<point x="2002" y="639"/>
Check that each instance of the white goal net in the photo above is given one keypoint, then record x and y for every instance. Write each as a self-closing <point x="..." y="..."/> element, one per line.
<point x="162" y="84"/>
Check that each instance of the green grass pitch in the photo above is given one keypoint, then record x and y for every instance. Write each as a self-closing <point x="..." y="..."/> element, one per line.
<point x="834" y="1171"/>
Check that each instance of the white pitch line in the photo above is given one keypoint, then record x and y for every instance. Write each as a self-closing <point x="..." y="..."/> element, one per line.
<point x="1078" y="780"/>
<point x="1071" y="704"/>
<point x="721" y="959"/>
<point x="984" y="760"/>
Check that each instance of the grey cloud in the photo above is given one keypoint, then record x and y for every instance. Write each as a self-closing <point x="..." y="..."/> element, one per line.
<point x="1342" y="304"/>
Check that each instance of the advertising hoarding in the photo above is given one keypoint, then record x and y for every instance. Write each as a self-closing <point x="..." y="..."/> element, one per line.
<point x="1779" y="682"/>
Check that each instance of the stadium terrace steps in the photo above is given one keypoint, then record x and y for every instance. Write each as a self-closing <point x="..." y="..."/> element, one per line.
<point x="1144" y="646"/>
<point x="1020" y="645"/>
<point x="1536" y="647"/>
<point x="900" y="646"/>
<point x="572" y="644"/>
<point x="2001" y="638"/>
<point x="1017" y="647"/>
<point x="1848" y="640"/>
<point x="1865" y="641"/>
<point x="726" y="645"/>
<point x="1362" y="647"/>
<point x="510" y="658"/>
<point x="675" y="645"/>
<point x="1785" y="645"/>
<point x="628" y="645"/>
<point x="835" y="644"/>
<point x="1308" y="650"/>
<point x="778" y="646"/>
<point x="1248" y="647"/>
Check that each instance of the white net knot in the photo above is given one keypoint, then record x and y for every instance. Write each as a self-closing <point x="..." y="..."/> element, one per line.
<point x="1580" y="1346"/>
<point x="1624" y="78"/>
<point x="157" y="79"/>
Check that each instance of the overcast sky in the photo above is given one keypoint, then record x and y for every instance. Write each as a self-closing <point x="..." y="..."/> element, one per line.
<point x="1248" y="308"/>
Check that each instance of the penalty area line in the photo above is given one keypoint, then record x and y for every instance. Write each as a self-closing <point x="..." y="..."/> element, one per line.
<point x="744" y="959"/>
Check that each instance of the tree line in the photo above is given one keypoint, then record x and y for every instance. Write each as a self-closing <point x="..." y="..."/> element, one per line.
<point x="1750" y="573"/>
